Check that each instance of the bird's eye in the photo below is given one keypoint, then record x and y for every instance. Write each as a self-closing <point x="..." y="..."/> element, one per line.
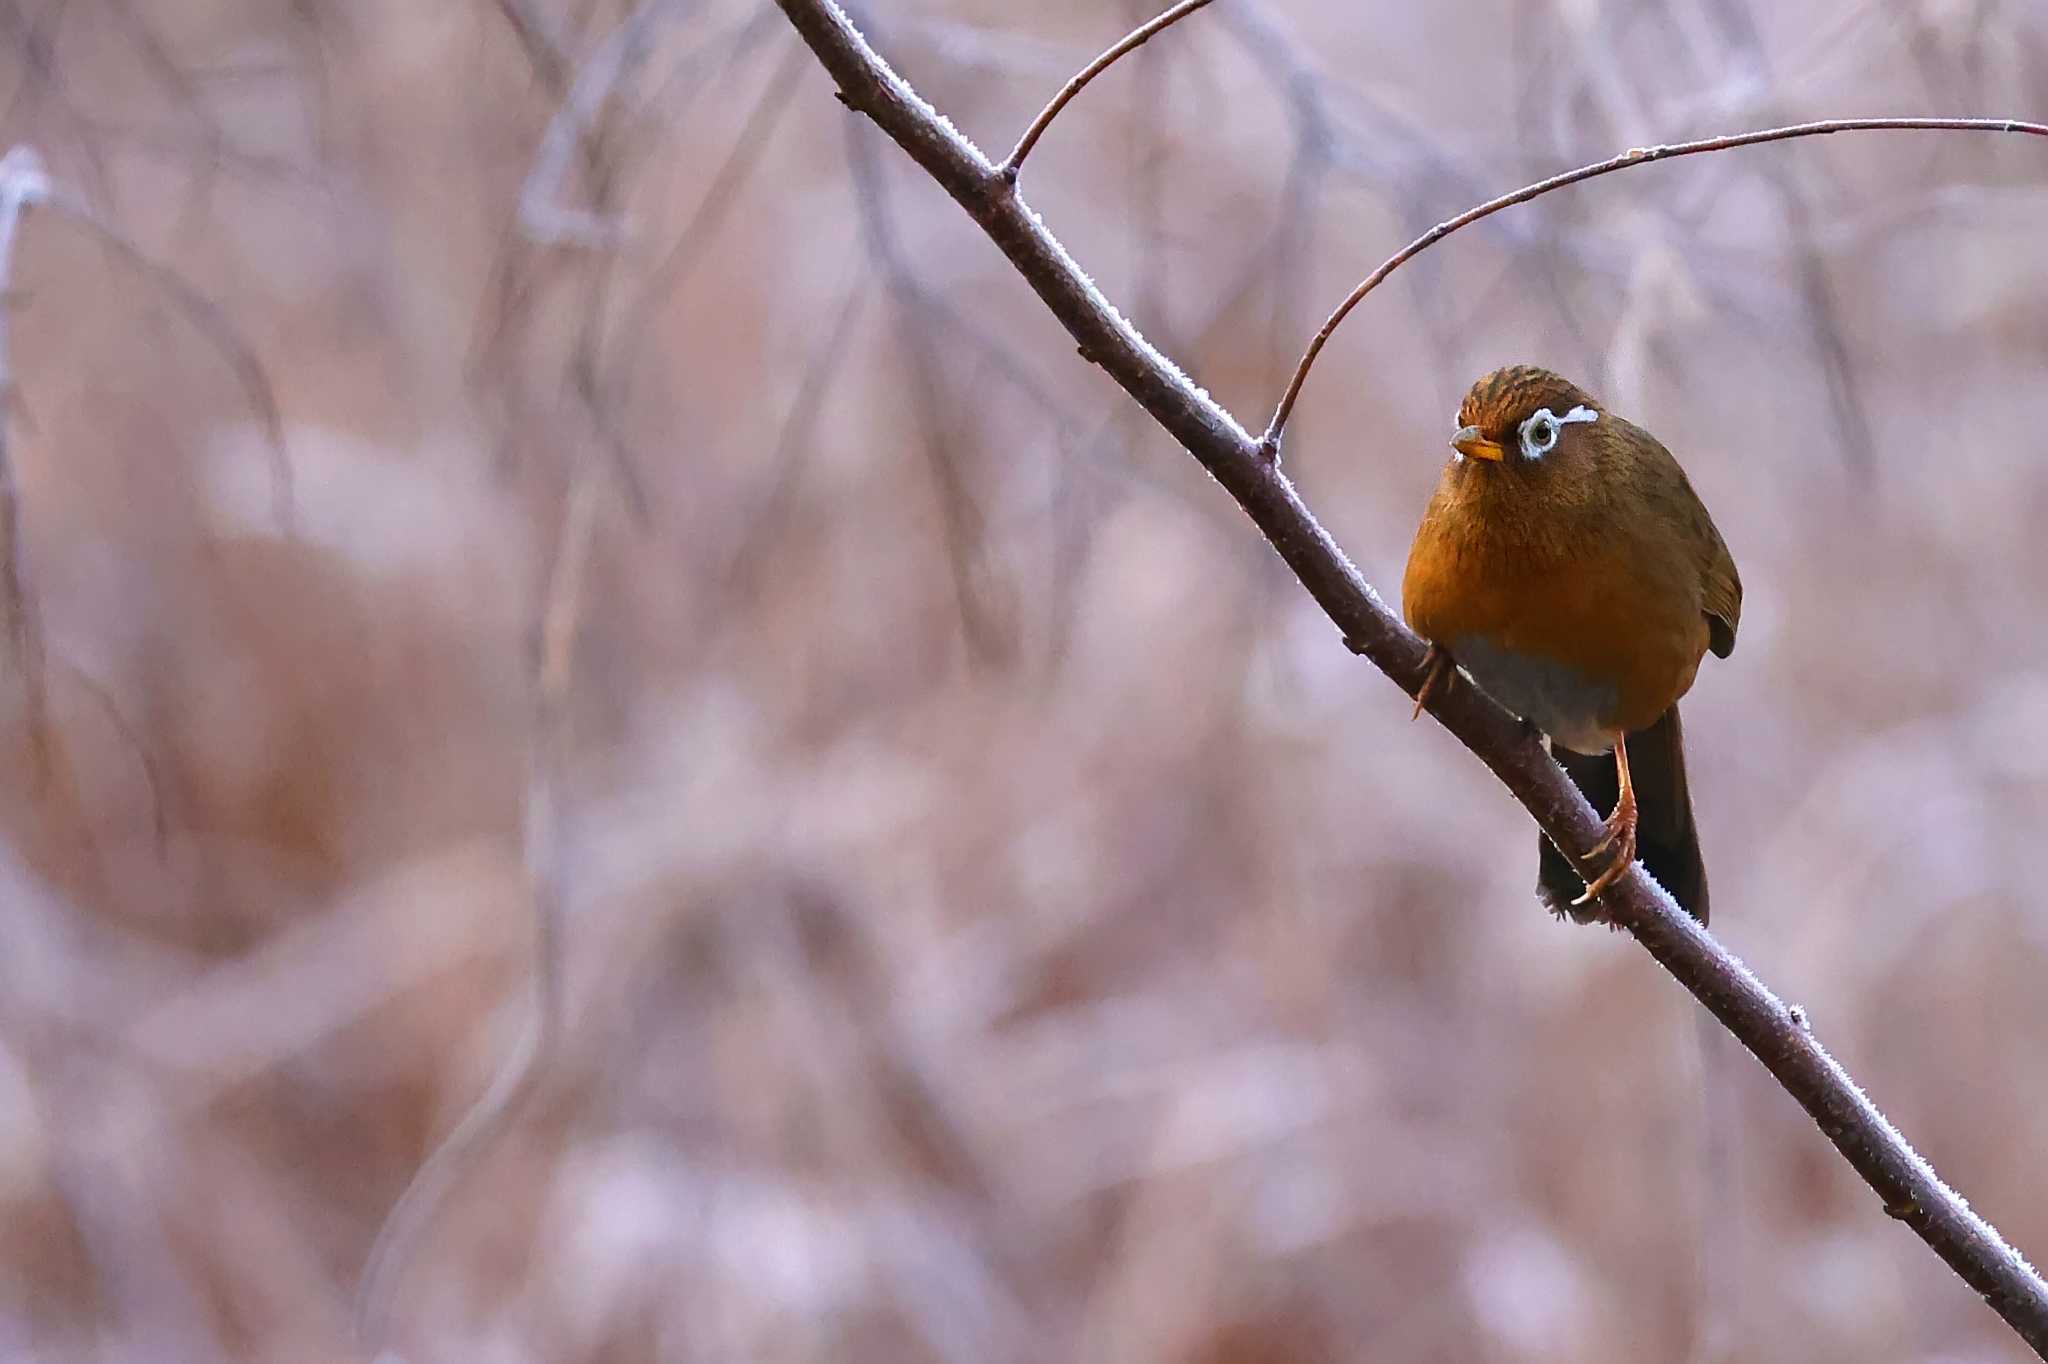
<point x="1539" y="434"/>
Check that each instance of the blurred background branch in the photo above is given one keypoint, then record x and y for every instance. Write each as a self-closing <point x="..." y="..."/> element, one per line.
<point x="23" y="184"/>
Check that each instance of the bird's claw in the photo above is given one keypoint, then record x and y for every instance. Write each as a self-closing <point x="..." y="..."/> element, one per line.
<point x="1436" y="663"/>
<point x="1604" y="844"/>
<point x="1620" y="845"/>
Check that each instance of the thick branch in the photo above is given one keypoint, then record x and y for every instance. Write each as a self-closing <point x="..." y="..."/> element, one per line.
<point x="1635" y="156"/>
<point x="1776" y="1034"/>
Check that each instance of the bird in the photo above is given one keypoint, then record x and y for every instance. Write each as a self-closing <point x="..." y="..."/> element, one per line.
<point x="1566" y="566"/>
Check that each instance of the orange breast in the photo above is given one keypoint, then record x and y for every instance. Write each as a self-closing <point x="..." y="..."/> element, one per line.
<point x="1624" y="615"/>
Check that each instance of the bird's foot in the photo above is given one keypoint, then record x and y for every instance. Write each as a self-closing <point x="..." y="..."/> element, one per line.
<point x="1436" y="664"/>
<point x="1619" y="847"/>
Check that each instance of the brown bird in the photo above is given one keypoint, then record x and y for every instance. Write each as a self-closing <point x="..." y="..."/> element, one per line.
<point x="1568" y="567"/>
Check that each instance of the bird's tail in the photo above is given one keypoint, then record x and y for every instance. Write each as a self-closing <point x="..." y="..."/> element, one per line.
<point x="1666" y="841"/>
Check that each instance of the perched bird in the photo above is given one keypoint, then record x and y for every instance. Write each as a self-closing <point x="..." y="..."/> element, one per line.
<point x="1568" y="567"/>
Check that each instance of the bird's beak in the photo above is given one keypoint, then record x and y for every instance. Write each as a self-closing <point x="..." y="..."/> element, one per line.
<point x="1469" y="442"/>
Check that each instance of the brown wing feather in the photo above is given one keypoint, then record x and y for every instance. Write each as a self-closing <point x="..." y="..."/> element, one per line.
<point x="1721" y="590"/>
<point x="1720" y="584"/>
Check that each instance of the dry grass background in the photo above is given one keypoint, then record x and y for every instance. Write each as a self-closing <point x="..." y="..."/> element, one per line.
<point x="999" y="920"/>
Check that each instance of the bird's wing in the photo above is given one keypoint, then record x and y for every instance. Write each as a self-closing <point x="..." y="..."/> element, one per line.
<point x="1720" y="584"/>
<point x="1721" y="597"/>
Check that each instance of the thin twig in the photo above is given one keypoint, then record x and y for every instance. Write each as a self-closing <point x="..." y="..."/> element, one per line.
<point x="1778" y="1035"/>
<point x="1133" y="40"/>
<point x="1269" y="444"/>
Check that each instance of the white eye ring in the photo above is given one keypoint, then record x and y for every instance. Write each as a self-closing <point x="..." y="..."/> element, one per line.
<point x="1539" y="431"/>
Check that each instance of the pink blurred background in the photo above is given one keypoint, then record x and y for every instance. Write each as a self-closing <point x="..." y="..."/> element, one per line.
<point x="998" y="921"/>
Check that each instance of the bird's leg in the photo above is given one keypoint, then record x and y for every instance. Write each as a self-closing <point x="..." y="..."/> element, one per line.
<point x="1621" y="830"/>
<point x="1436" y="665"/>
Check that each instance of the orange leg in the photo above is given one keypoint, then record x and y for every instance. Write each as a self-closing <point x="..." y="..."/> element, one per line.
<point x="1436" y="665"/>
<point x="1621" y="831"/>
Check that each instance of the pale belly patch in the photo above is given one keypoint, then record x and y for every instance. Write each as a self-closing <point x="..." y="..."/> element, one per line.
<point x="1559" y="700"/>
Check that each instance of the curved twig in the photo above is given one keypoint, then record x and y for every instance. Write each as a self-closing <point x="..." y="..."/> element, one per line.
<point x="1269" y="443"/>
<point x="1133" y="40"/>
<point x="1778" y="1035"/>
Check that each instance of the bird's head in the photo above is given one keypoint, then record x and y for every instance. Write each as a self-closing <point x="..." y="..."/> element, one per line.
<point x="1526" y="419"/>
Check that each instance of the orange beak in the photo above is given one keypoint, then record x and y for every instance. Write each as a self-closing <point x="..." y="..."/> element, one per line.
<point x="1468" y="442"/>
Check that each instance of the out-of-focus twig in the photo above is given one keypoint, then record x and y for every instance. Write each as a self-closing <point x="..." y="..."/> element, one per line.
<point x="542" y="212"/>
<point x="1269" y="443"/>
<point x="608" y="67"/>
<point x="1778" y="1035"/>
<point x="986" y="619"/>
<point x="1824" y="314"/>
<point x="519" y="1076"/>
<point x="212" y="324"/>
<point x="1136" y="38"/>
<point x="542" y="44"/>
<point x="146" y="759"/>
<point x="1397" y="157"/>
<point x="794" y="444"/>
<point x="721" y="196"/>
<point x="23" y="184"/>
<point x="1148" y="153"/>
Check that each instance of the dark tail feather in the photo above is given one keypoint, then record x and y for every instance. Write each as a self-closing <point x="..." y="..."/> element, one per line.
<point x="1666" y="842"/>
